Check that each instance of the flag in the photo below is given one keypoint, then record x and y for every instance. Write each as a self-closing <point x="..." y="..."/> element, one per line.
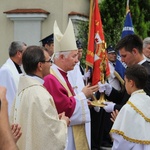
<point x="96" y="56"/>
<point x="127" y="29"/>
<point x="128" y="26"/>
<point x="120" y="66"/>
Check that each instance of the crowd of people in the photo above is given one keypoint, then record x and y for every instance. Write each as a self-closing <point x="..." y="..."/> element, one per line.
<point x="46" y="99"/>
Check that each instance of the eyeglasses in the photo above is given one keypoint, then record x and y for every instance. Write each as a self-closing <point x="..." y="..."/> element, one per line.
<point x="48" y="61"/>
<point x="21" y="51"/>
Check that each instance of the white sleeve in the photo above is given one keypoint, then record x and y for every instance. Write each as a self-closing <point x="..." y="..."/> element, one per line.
<point x="120" y="143"/>
<point x="81" y="113"/>
<point x="7" y="81"/>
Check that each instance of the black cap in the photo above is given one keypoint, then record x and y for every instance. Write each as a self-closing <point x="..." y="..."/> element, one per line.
<point x="110" y="49"/>
<point x="79" y="45"/>
<point x="48" y="39"/>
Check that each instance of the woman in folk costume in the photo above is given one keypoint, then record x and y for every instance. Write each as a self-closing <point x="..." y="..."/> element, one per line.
<point x="74" y="106"/>
<point x="131" y="129"/>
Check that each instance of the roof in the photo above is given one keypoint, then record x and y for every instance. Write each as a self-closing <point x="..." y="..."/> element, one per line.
<point x="24" y="11"/>
<point x="78" y="14"/>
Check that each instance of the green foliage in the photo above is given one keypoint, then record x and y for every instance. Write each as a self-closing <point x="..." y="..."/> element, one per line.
<point x="113" y="15"/>
<point x="83" y="37"/>
<point x="140" y="11"/>
<point x="112" y="18"/>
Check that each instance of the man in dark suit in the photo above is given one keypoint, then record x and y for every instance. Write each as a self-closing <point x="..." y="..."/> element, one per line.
<point x="130" y="49"/>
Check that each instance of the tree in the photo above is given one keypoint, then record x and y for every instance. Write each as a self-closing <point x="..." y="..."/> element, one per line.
<point x="141" y="17"/>
<point x="113" y="15"/>
<point x="112" y="19"/>
<point x="83" y="37"/>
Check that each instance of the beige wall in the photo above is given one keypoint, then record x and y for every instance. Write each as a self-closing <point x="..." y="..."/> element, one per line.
<point x="59" y="10"/>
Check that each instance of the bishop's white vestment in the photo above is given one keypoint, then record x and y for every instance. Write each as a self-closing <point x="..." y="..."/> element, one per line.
<point x="76" y="79"/>
<point x="75" y="107"/>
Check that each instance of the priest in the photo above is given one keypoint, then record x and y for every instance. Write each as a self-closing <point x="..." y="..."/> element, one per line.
<point x="74" y="105"/>
<point x="34" y="108"/>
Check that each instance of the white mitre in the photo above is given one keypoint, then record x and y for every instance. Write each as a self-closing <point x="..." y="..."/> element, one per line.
<point x="66" y="42"/>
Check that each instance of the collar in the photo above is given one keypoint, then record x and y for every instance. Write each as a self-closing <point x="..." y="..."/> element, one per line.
<point x="18" y="67"/>
<point x="64" y="74"/>
<point x="59" y="68"/>
<point x="138" y="91"/>
<point x="148" y="59"/>
<point x="37" y="78"/>
<point x="78" y="63"/>
<point x="112" y="63"/>
<point x="141" y="62"/>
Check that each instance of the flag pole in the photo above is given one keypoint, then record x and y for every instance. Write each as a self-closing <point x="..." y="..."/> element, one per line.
<point x="89" y="34"/>
<point x="102" y="66"/>
<point x="127" y="7"/>
<point x="96" y="57"/>
<point x="90" y="21"/>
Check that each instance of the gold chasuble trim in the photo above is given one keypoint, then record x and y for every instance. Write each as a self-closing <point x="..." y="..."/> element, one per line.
<point x="80" y="137"/>
<point x="79" y="134"/>
<point x="144" y="142"/>
<point x="138" y="111"/>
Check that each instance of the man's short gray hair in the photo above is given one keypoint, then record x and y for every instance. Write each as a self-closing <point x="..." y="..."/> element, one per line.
<point x="146" y="41"/>
<point x="65" y="53"/>
<point x="15" y="46"/>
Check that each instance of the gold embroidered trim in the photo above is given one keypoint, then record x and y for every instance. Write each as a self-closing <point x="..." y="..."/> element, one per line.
<point x="79" y="134"/>
<point x="63" y="83"/>
<point x="145" y="142"/>
<point x="90" y="53"/>
<point x="83" y="108"/>
<point x="138" y="111"/>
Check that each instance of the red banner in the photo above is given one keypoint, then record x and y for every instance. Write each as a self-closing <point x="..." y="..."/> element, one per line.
<point x="96" y="57"/>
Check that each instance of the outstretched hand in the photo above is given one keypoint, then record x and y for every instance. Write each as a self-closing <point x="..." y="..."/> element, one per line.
<point x="89" y="90"/>
<point x="109" y="106"/>
<point x="114" y="115"/>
